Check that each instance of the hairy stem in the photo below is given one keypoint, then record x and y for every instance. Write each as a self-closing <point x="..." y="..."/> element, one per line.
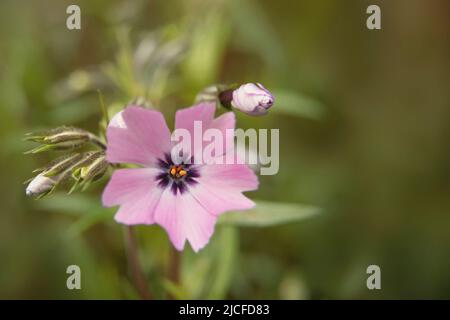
<point x="135" y="266"/>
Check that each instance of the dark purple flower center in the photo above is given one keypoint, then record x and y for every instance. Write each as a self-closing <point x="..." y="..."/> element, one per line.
<point x="177" y="177"/>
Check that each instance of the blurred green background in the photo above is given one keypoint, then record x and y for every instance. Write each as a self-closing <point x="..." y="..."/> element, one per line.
<point x="364" y="120"/>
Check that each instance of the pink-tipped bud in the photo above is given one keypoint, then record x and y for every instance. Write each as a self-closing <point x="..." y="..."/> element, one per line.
<point x="252" y="99"/>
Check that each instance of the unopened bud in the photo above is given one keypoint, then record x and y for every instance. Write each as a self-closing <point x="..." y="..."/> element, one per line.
<point x="81" y="168"/>
<point x="92" y="168"/>
<point x="40" y="185"/>
<point x="250" y="98"/>
<point x="51" y="175"/>
<point x="60" y="164"/>
<point x="96" y="169"/>
<point x="61" y="138"/>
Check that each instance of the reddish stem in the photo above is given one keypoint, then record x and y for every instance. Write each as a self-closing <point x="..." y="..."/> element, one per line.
<point x="135" y="266"/>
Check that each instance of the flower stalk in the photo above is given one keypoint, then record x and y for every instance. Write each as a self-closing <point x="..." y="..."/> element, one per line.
<point x="134" y="265"/>
<point x="174" y="265"/>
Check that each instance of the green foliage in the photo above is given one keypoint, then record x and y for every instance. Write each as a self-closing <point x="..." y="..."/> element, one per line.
<point x="296" y="104"/>
<point x="206" y="50"/>
<point x="208" y="274"/>
<point x="267" y="214"/>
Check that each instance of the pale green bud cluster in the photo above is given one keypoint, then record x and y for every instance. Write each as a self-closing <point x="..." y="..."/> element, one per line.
<point x="76" y="170"/>
<point x="91" y="169"/>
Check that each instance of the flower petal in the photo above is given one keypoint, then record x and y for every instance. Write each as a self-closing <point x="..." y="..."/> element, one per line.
<point x="225" y="123"/>
<point x="238" y="177"/>
<point x="204" y="112"/>
<point x="166" y="216"/>
<point x="143" y="140"/>
<point x="220" y="187"/>
<point x="117" y="121"/>
<point x="220" y="200"/>
<point x="184" y="219"/>
<point x="136" y="191"/>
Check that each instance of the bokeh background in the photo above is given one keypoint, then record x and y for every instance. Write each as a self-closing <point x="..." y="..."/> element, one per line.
<point x="364" y="119"/>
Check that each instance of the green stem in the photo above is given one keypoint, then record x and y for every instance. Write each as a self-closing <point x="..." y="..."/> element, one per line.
<point x="174" y="266"/>
<point x="135" y="266"/>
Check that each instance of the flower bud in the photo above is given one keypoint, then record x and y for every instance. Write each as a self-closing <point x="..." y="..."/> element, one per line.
<point x="92" y="168"/>
<point x="60" y="164"/>
<point x="61" y="138"/>
<point x="40" y="185"/>
<point x="81" y="168"/>
<point x="51" y="175"/>
<point x="96" y="169"/>
<point x="250" y="98"/>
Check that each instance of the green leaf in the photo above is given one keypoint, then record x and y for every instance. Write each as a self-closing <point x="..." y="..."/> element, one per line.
<point x="177" y="291"/>
<point x="294" y="103"/>
<point x="207" y="44"/>
<point x="208" y="274"/>
<point x="267" y="214"/>
<point x="89" y="220"/>
<point x="255" y="32"/>
<point x="225" y="263"/>
<point x="88" y="209"/>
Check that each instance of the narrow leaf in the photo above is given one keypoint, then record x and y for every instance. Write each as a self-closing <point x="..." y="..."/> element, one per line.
<point x="225" y="263"/>
<point x="268" y="213"/>
<point x="294" y="103"/>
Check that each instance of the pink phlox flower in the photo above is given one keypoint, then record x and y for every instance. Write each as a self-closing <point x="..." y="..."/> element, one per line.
<point x="184" y="198"/>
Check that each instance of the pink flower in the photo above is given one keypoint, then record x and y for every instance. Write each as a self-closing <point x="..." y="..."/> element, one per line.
<point x="185" y="199"/>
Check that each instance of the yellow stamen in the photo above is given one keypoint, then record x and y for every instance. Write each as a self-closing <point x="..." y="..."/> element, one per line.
<point x="177" y="171"/>
<point x="182" y="173"/>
